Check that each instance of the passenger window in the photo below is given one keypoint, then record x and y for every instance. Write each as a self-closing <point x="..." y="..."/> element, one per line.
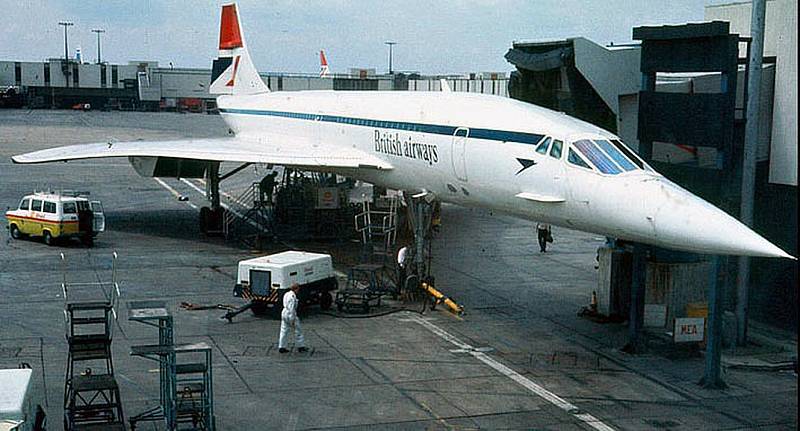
<point x="556" y="150"/>
<point x="576" y="160"/>
<point x="25" y="204"/>
<point x="37" y="205"/>
<point x="70" y="208"/>
<point x="50" y="207"/>
<point x="542" y="148"/>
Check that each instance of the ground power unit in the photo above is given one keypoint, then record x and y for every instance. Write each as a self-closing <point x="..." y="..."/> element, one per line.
<point x="264" y="280"/>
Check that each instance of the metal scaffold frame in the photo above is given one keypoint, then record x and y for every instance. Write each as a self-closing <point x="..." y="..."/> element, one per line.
<point x="185" y="389"/>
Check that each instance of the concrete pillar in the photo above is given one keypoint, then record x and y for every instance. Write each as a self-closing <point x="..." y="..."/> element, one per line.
<point x="711" y="377"/>
<point x="749" y="158"/>
<point x="636" y="320"/>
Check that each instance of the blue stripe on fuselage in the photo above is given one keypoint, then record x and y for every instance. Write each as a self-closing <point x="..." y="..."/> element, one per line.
<point x="477" y="133"/>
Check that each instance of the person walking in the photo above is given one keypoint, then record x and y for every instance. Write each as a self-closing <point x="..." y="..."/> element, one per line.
<point x="545" y="235"/>
<point x="289" y="320"/>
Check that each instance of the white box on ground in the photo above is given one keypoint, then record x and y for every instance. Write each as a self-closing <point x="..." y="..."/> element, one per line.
<point x="279" y="271"/>
<point x="689" y="329"/>
<point x="15" y="401"/>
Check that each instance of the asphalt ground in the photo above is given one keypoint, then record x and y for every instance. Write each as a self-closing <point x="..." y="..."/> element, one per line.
<point x="518" y="358"/>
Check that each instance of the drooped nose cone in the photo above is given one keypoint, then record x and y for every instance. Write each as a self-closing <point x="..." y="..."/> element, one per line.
<point x="684" y="221"/>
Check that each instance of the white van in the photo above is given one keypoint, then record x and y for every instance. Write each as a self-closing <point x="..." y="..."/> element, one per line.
<point x="57" y="215"/>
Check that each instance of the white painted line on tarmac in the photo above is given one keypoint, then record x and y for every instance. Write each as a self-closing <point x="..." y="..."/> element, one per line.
<point x="173" y="191"/>
<point x="527" y="383"/>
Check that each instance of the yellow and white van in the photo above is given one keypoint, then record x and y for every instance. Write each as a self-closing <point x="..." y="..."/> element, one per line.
<point x="57" y="215"/>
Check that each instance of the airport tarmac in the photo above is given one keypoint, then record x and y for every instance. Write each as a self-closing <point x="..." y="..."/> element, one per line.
<point x="519" y="358"/>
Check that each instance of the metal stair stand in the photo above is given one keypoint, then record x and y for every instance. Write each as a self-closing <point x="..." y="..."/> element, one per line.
<point x="378" y="229"/>
<point x="185" y="389"/>
<point x="250" y="208"/>
<point x="91" y="399"/>
<point x="194" y="383"/>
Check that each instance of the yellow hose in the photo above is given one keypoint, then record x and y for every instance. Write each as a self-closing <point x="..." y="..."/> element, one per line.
<point x="440" y="298"/>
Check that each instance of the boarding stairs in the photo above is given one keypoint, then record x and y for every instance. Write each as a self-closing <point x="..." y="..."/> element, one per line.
<point x="249" y="216"/>
<point x="91" y="392"/>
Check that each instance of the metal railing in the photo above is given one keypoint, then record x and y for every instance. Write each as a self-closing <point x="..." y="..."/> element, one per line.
<point x="109" y="289"/>
<point x="373" y="223"/>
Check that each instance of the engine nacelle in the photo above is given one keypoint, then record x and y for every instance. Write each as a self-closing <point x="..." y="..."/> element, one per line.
<point x="169" y="167"/>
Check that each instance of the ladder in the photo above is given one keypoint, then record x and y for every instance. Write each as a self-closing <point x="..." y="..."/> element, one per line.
<point x="251" y="208"/>
<point x="378" y="230"/>
<point x="91" y="392"/>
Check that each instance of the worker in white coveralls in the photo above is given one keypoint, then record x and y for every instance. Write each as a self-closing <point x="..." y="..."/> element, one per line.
<point x="290" y="320"/>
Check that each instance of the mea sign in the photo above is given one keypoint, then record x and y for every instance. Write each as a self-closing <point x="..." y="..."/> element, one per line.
<point x="689" y="329"/>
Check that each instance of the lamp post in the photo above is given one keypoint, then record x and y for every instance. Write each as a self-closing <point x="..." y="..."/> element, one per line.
<point x="98" y="31"/>
<point x="66" y="46"/>
<point x="391" y="44"/>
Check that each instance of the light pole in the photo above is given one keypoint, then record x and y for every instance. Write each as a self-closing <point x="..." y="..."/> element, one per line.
<point x="66" y="46"/>
<point x="391" y="44"/>
<point x="98" y="31"/>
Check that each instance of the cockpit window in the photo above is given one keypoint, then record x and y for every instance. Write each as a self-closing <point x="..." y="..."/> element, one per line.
<point x="576" y="160"/>
<point x="542" y="148"/>
<point x="556" y="150"/>
<point x="596" y="157"/>
<point x="630" y="154"/>
<point x="616" y="155"/>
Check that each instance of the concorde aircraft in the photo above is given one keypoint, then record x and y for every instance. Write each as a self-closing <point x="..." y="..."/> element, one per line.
<point x="463" y="148"/>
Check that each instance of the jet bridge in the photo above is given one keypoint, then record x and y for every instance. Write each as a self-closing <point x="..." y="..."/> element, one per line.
<point x="575" y="76"/>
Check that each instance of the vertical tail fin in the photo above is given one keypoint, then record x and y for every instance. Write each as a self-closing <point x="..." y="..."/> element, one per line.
<point x="233" y="72"/>
<point x="323" y="65"/>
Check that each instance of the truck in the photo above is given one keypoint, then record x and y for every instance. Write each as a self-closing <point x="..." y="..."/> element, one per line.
<point x="57" y="215"/>
<point x="264" y="280"/>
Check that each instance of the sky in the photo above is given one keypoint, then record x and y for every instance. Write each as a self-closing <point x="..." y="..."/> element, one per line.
<point x="445" y="36"/>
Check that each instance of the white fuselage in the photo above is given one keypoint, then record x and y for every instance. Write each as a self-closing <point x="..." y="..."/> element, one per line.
<point x="468" y="149"/>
